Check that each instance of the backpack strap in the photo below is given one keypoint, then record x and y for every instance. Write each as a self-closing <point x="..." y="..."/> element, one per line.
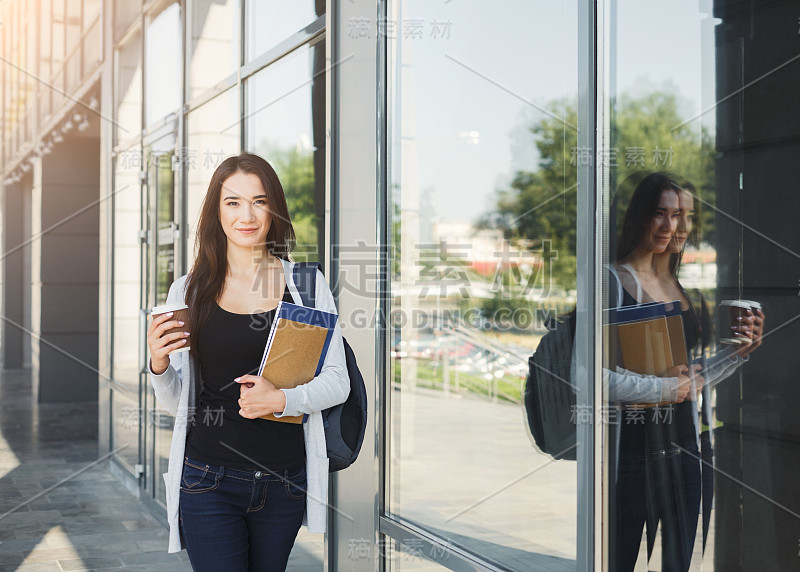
<point x="639" y="291"/>
<point x="613" y="272"/>
<point x="305" y="280"/>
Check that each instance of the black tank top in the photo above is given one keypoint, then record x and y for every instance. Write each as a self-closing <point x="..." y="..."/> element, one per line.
<point x="231" y="345"/>
<point x="678" y="419"/>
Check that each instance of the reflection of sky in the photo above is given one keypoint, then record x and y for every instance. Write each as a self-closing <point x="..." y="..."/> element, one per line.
<point x="163" y="64"/>
<point x="279" y="106"/>
<point x="658" y="48"/>
<point x="529" y="49"/>
<point x="271" y="22"/>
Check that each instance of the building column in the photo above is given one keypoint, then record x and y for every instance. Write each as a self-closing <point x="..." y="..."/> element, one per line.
<point x="64" y="272"/>
<point x="13" y="277"/>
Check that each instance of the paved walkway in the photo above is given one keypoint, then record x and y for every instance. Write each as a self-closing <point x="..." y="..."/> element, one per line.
<point x="61" y="510"/>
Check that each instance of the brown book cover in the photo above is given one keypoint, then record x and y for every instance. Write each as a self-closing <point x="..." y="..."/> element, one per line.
<point x="645" y="346"/>
<point x="294" y="353"/>
<point x="677" y="341"/>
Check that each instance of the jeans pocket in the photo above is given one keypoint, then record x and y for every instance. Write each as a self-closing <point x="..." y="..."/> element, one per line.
<point x="197" y="478"/>
<point x="296" y="484"/>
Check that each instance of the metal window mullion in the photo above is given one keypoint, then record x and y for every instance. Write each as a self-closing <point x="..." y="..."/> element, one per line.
<point x="588" y="338"/>
<point x="287" y="46"/>
<point x="435" y="548"/>
<point x="605" y="80"/>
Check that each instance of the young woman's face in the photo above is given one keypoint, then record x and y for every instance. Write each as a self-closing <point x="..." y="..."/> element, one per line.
<point x="661" y="229"/>
<point x="243" y="210"/>
<point x="685" y="222"/>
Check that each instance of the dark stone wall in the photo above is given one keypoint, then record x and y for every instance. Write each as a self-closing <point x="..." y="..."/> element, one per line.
<point x="757" y="523"/>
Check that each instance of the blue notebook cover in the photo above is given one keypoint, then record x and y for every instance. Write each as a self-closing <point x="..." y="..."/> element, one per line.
<point x="287" y="311"/>
<point x="646" y="311"/>
<point x="302" y="315"/>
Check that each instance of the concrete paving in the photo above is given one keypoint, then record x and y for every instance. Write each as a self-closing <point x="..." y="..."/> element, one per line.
<point x="463" y="467"/>
<point x="61" y="510"/>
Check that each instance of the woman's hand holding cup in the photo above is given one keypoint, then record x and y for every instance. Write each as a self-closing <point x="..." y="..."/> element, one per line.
<point x="164" y="336"/>
<point x="755" y="323"/>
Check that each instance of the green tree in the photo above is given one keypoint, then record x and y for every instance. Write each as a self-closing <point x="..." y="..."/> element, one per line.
<point x="295" y="168"/>
<point x="650" y="130"/>
<point x="647" y="135"/>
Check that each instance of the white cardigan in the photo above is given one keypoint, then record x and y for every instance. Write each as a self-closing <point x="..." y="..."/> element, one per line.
<point x="175" y="390"/>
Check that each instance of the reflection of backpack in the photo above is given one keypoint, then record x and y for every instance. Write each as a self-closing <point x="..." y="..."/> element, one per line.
<point x="549" y="395"/>
<point x="346" y="423"/>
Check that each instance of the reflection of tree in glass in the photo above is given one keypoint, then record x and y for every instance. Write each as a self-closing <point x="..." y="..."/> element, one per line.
<point x="541" y="205"/>
<point x="688" y="152"/>
<point x="295" y="168"/>
<point x="165" y="217"/>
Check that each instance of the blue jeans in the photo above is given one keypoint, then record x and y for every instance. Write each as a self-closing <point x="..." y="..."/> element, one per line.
<point x="240" y="520"/>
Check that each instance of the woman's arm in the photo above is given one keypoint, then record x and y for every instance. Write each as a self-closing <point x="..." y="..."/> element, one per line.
<point x="628" y="387"/>
<point x="332" y="385"/>
<point x="674" y="386"/>
<point x="721" y="365"/>
<point x="167" y="384"/>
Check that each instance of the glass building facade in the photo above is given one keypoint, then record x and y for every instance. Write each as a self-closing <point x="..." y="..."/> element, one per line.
<point x="463" y="171"/>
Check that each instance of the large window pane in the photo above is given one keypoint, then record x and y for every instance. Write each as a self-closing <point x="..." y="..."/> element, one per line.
<point x="127" y="414"/>
<point x="163" y="71"/>
<point x="269" y="22"/>
<point x="129" y="272"/>
<point x="128" y="91"/>
<point x="704" y="480"/>
<point x="125" y="14"/>
<point x="127" y="418"/>
<point x="483" y="218"/>
<point x="73" y="24"/>
<point x="286" y="125"/>
<point x="215" y="43"/>
<point x="213" y="134"/>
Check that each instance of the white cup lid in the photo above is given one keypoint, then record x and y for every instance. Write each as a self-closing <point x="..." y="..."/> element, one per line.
<point x="736" y="303"/>
<point x="175" y="306"/>
<point x="753" y="304"/>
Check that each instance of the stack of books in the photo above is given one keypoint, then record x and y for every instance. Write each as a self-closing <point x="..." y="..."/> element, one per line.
<point x="647" y="338"/>
<point x="296" y="347"/>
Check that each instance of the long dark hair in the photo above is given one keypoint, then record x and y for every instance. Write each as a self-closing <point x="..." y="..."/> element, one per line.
<point x="675" y="258"/>
<point x="207" y="277"/>
<point x="641" y="210"/>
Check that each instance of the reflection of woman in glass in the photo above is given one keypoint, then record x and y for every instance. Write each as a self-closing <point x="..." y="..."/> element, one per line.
<point x="236" y="484"/>
<point x="658" y="471"/>
<point x="721" y="364"/>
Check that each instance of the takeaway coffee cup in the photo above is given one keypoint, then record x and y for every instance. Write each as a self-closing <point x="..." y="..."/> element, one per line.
<point x="179" y="312"/>
<point x="730" y="315"/>
<point x="753" y="305"/>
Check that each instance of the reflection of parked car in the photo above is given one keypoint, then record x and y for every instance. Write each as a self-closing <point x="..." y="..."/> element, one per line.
<point x="481" y="322"/>
<point x="423" y="346"/>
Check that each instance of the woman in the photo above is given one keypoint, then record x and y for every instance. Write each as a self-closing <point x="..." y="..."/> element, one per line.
<point x="658" y="472"/>
<point x="659" y="475"/>
<point x="719" y="365"/>
<point x="238" y="486"/>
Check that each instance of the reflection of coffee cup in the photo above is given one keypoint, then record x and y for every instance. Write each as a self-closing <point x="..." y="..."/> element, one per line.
<point x="180" y="312"/>
<point x="753" y="305"/>
<point x="730" y="315"/>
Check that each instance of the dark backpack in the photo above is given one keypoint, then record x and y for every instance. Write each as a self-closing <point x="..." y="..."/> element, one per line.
<point x="346" y="423"/>
<point x="549" y="395"/>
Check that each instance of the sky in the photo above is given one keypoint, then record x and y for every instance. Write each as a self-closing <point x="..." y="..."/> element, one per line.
<point x="476" y="90"/>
